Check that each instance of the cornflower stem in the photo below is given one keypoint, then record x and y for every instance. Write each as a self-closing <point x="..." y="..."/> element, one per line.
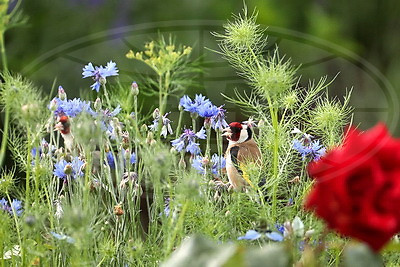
<point x="219" y="147"/>
<point x="194" y="124"/>
<point x="37" y="178"/>
<point x="5" y="135"/>
<point x="163" y="85"/>
<point x="178" y="128"/>
<point x="106" y="96"/>
<point x="135" y="106"/>
<point x="208" y="130"/>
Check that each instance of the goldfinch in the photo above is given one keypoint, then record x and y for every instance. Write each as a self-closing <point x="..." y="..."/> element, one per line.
<point x="64" y="126"/>
<point x="242" y="149"/>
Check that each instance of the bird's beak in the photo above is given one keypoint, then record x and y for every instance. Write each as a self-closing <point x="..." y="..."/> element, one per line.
<point x="227" y="132"/>
<point x="59" y="127"/>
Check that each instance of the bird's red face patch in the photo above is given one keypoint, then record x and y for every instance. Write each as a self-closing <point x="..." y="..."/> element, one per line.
<point x="64" y="120"/>
<point x="236" y="128"/>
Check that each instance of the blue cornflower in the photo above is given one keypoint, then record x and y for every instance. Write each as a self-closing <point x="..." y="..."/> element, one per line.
<point x="187" y="141"/>
<point x="71" y="108"/>
<point x="130" y="156"/>
<point x="166" y="128"/>
<point x="3" y="203"/>
<point x="207" y="110"/>
<point x="99" y="74"/>
<point x="198" y="164"/>
<point x="167" y="209"/>
<point x="280" y="228"/>
<point x="104" y="118"/>
<point x="250" y="235"/>
<point x="218" y="121"/>
<point x="217" y="163"/>
<point x="275" y="236"/>
<point x="313" y="149"/>
<point x="16" y="206"/>
<point x="68" y="239"/>
<point x="193" y="106"/>
<point x="111" y="159"/>
<point x="35" y="151"/>
<point x="63" y="168"/>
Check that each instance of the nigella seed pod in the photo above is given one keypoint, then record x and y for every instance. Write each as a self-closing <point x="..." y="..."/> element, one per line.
<point x="135" y="89"/>
<point x="61" y="93"/>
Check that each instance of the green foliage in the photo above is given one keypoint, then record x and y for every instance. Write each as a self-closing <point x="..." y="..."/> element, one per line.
<point x="25" y="102"/>
<point x="115" y="213"/>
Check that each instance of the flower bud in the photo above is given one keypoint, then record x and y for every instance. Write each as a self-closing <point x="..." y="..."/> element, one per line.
<point x="53" y="105"/>
<point x="144" y="128"/>
<point x="102" y="80"/>
<point x="61" y="93"/>
<point x="156" y="113"/>
<point x="194" y="115"/>
<point x="207" y="123"/>
<point x="68" y="169"/>
<point x="45" y="146"/>
<point x="118" y="210"/>
<point x="135" y="89"/>
<point x="97" y="104"/>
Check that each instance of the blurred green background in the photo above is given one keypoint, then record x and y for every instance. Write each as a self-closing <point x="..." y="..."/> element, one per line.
<point x="63" y="35"/>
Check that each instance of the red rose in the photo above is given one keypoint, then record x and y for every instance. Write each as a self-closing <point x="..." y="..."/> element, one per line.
<point x="357" y="187"/>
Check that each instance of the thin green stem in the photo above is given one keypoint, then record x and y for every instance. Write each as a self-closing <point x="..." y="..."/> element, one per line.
<point x="178" y="128"/>
<point x="3" y="52"/>
<point x="275" y="125"/>
<point x="135" y="106"/>
<point x="28" y="169"/>
<point x="208" y="130"/>
<point x="194" y="125"/>
<point x="106" y="96"/>
<point x="5" y="135"/>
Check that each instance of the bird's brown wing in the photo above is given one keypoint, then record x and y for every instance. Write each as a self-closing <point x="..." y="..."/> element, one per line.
<point x="248" y="152"/>
<point x="244" y="153"/>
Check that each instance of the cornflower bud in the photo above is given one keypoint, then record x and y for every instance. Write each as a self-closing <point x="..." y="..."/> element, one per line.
<point x="135" y="89"/>
<point x="97" y="104"/>
<point x="61" y="93"/>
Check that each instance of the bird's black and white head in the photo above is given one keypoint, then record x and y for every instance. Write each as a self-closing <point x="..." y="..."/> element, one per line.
<point x="238" y="133"/>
